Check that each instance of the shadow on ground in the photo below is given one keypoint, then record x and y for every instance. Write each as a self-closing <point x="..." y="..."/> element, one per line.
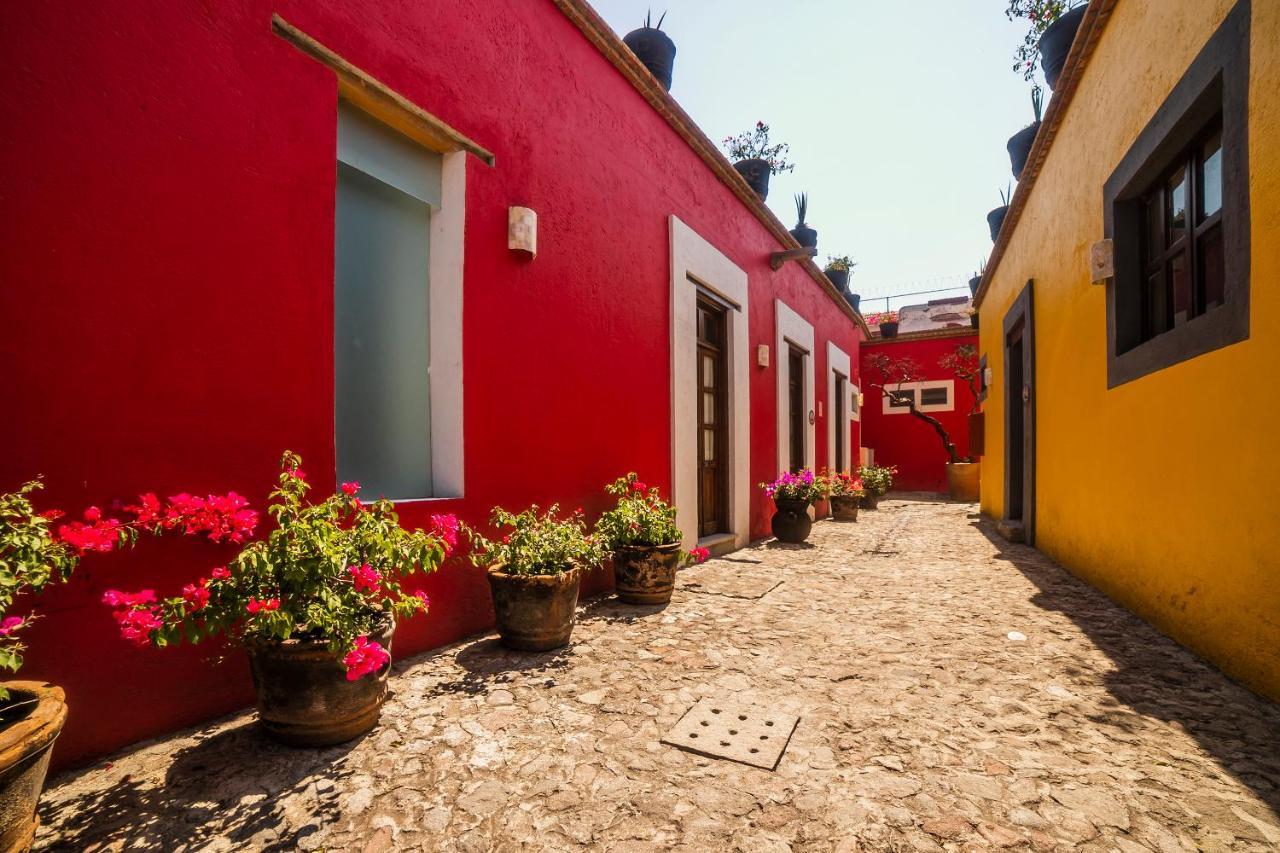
<point x="486" y="664"/>
<point x="238" y="772"/>
<point x="1159" y="679"/>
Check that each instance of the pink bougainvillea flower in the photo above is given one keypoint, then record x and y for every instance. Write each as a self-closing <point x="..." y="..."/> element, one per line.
<point x="92" y="514"/>
<point x="350" y="489"/>
<point x="116" y="598"/>
<point x="700" y="555"/>
<point x="147" y="510"/>
<point x="446" y="528"/>
<point x="102" y="535"/>
<point x="221" y="573"/>
<point x="422" y="596"/>
<point x="9" y="625"/>
<point x="365" y="659"/>
<point x="638" y="486"/>
<point x="196" y="595"/>
<point x="265" y="605"/>
<point x="52" y="514"/>
<point x="298" y="474"/>
<point x="137" y="625"/>
<point x="365" y="578"/>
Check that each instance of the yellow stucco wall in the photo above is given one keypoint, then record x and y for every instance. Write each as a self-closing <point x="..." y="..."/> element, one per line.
<point x="1163" y="492"/>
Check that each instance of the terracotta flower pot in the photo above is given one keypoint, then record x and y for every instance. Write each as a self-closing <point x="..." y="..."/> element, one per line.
<point x="646" y="574"/>
<point x="821" y="508"/>
<point x="791" y="523"/>
<point x="304" y="697"/>
<point x="963" y="479"/>
<point x="534" y="612"/>
<point x="32" y="719"/>
<point x="844" y="508"/>
<point x="869" y="500"/>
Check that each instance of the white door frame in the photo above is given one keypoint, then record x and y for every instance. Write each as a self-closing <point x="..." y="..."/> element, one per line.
<point x="793" y="329"/>
<point x="838" y="361"/>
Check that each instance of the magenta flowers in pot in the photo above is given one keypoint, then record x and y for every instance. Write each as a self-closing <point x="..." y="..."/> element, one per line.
<point x="792" y="493"/>
<point x="313" y="603"/>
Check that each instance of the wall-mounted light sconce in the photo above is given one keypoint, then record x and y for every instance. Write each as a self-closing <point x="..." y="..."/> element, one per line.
<point x="861" y="399"/>
<point x="762" y="355"/>
<point x="820" y="408"/>
<point x="522" y="230"/>
<point x="1102" y="261"/>
<point x="986" y="376"/>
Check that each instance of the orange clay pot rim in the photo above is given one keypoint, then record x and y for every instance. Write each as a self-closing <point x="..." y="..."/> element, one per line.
<point x="258" y="643"/>
<point x="670" y="546"/>
<point x="496" y="570"/>
<point x="38" y="729"/>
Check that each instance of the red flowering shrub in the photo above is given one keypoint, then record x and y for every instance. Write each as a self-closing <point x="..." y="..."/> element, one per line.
<point x="329" y="571"/>
<point x="640" y="518"/>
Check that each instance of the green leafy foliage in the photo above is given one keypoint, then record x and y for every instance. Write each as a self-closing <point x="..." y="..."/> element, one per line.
<point x="537" y="544"/>
<point x="840" y="262"/>
<point x="841" y="484"/>
<point x="641" y="516"/>
<point x="1040" y="14"/>
<point x="876" y="479"/>
<point x="754" y="144"/>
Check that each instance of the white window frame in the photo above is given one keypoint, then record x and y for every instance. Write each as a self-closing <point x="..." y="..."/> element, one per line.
<point x="695" y="263"/>
<point x="792" y="329"/>
<point x="915" y="388"/>
<point x="838" y="362"/>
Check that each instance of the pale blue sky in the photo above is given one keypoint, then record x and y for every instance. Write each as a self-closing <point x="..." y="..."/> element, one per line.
<point x="897" y="115"/>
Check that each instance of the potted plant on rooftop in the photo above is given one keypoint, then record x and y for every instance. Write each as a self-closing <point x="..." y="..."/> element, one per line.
<point x="314" y="605"/>
<point x="837" y="269"/>
<point x="654" y="48"/>
<point x="804" y="235"/>
<point x="792" y="493"/>
<point x="534" y="572"/>
<point x="976" y="280"/>
<point x="887" y="321"/>
<point x="995" y="219"/>
<point x="1020" y="143"/>
<point x="1047" y="44"/>
<point x="845" y="490"/>
<point x="641" y="533"/>
<point x="756" y="158"/>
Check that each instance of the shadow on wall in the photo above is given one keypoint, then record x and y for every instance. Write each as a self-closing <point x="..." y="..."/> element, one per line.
<point x="1158" y="679"/>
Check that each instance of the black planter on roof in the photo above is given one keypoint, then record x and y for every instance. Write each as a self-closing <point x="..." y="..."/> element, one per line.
<point x="655" y="50"/>
<point x="853" y="299"/>
<point x="1020" y="148"/>
<point x="1055" y="44"/>
<point x="995" y="219"/>
<point x="756" y="172"/>
<point x="804" y="235"/>
<point x="840" y="278"/>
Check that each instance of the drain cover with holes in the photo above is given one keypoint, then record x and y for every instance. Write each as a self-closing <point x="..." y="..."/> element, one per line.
<point x="743" y="733"/>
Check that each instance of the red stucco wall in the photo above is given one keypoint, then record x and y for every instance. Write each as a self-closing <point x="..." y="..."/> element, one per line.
<point x="908" y="442"/>
<point x="167" y="260"/>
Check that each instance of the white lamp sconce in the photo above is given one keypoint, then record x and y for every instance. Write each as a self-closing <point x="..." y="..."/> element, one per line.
<point x="1102" y="261"/>
<point x="860" y="399"/>
<point x="762" y="355"/>
<point x="522" y="230"/>
<point x="987" y="376"/>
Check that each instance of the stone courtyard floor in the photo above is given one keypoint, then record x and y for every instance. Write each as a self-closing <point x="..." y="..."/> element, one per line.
<point x="954" y="692"/>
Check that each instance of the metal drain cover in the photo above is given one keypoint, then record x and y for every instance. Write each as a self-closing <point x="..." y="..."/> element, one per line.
<point x="744" y="733"/>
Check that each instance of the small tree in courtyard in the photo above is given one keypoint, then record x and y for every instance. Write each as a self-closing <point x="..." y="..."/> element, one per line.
<point x="887" y="375"/>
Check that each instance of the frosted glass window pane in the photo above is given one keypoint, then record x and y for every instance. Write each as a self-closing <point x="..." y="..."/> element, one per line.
<point x="381" y="338"/>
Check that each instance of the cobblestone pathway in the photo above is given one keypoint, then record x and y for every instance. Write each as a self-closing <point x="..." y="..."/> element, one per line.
<point x="954" y="692"/>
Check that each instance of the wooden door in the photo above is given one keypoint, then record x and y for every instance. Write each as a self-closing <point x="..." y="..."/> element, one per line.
<point x="1020" y="417"/>
<point x="796" y="412"/>
<point x="713" y="461"/>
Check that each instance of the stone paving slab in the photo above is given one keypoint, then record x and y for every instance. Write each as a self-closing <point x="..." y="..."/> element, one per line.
<point x="923" y="726"/>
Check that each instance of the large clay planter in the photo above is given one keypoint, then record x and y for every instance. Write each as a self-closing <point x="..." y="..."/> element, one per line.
<point x="655" y="50"/>
<point x="756" y="172"/>
<point x="646" y="574"/>
<point x="995" y="219"/>
<point x="32" y="721"/>
<point x="1055" y="44"/>
<point x="791" y="523"/>
<point x="304" y="697"/>
<point x="534" y="612"/>
<point x="869" y="500"/>
<point x="1019" y="148"/>
<point x="963" y="479"/>
<point x="821" y="509"/>
<point x="844" y="508"/>
<point x="839" y="278"/>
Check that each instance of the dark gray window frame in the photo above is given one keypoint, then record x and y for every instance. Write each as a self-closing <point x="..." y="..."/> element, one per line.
<point x="1216" y="82"/>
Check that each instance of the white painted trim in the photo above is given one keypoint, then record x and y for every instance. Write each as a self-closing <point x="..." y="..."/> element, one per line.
<point x="693" y="257"/>
<point x="448" y="233"/>
<point x="838" y="362"/>
<point x="916" y="388"/>
<point x="793" y="328"/>
<point x="855" y="410"/>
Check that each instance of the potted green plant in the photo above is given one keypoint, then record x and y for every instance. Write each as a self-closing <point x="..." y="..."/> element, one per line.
<point x="792" y="493"/>
<point x="995" y="219"/>
<point x="838" y="268"/>
<point x="756" y="158"/>
<point x="845" y="490"/>
<point x="887" y="321"/>
<point x="804" y="235"/>
<point x="1047" y="44"/>
<point x="32" y="713"/>
<point x="976" y="280"/>
<point x="654" y="48"/>
<point x="877" y="480"/>
<point x="640" y="532"/>
<point x="313" y="604"/>
<point x="534" y="573"/>
<point x="1019" y="145"/>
